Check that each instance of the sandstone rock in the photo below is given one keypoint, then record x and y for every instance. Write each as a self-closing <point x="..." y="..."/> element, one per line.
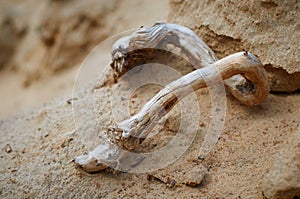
<point x="283" y="179"/>
<point x="267" y="28"/>
<point x="12" y="30"/>
<point x="58" y="34"/>
<point x="6" y="47"/>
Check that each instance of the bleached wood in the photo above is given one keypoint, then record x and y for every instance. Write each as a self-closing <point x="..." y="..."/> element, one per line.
<point x="127" y="134"/>
<point x="161" y="43"/>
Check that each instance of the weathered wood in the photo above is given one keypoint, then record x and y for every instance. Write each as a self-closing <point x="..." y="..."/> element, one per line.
<point x="170" y="44"/>
<point x="127" y="134"/>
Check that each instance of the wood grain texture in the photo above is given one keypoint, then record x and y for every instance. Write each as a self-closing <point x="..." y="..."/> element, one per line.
<point x="127" y="134"/>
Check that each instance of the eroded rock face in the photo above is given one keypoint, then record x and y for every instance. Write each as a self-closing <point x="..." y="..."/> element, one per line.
<point x="283" y="179"/>
<point x="56" y="33"/>
<point x="41" y="38"/>
<point x="268" y="28"/>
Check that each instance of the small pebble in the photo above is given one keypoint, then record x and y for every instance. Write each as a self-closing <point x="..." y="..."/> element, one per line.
<point x="69" y="101"/>
<point x="201" y="157"/>
<point x="201" y="124"/>
<point x="8" y="148"/>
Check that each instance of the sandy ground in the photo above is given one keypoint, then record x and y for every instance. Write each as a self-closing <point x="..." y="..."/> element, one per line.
<point x="44" y="143"/>
<point x="38" y="146"/>
<point x="16" y="98"/>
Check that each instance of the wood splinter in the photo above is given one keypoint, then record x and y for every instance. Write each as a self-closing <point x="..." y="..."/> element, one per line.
<point x="128" y="134"/>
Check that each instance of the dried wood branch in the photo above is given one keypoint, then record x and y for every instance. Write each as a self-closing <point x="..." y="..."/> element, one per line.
<point x="242" y="72"/>
<point x="168" y="44"/>
<point x="127" y="134"/>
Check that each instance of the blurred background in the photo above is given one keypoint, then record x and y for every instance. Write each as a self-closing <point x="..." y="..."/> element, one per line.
<point x="43" y="43"/>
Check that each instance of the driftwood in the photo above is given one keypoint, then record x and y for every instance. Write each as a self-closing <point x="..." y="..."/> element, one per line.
<point x="243" y="73"/>
<point x="161" y="43"/>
